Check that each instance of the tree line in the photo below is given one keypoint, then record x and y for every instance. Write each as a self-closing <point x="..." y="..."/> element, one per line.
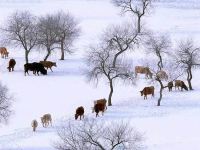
<point x="48" y="33"/>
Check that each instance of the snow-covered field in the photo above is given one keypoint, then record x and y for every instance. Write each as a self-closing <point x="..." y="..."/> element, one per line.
<point x="172" y="126"/>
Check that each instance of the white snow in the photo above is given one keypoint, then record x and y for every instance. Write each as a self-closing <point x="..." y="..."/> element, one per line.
<point x="172" y="126"/>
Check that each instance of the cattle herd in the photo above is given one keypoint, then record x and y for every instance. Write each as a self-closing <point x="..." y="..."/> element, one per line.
<point x="46" y="119"/>
<point x="161" y="75"/>
<point x="99" y="105"/>
<point x="35" y="67"/>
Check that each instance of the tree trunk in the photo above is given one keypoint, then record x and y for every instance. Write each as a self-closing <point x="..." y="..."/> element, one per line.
<point x="189" y="78"/>
<point x="48" y="54"/>
<point x="160" y="63"/>
<point x="160" y="98"/>
<point x="110" y="94"/>
<point x="26" y="55"/>
<point x="161" y="90"/>
<point x="62" y="50"/>
<point x="159" y="66"/>
<point x="139" y="24"/>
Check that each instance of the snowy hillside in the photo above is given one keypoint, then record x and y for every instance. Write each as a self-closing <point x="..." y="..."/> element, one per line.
<point x="172" y="126"/>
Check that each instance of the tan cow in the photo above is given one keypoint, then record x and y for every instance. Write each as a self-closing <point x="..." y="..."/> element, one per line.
<point x="162" y="75"/>
<point x="48" y="64"/>
<point x="179" y="83"/>
<point x="147" y="90"/>
<point x="34" y="124"/>
<point x="143" y="70"/>
<point x="46" y="120"/>
<point x="4" y="53"/>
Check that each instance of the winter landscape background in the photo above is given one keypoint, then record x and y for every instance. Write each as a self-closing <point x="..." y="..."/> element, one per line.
<point x="172" y="126"/>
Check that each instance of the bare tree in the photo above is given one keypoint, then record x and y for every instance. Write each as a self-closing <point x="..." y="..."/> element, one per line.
<point x="173" y="77"/>
<point x="5" y="104"/>
<point x="187" y="57"/>
<point x="106" y="60"/>
<point x="68" y="31"/>
<point x="173" y="74"/>
<point x="93" y="135"/>
<point x="20" y="30"/>
<point x="47" y="28"/>
<point x="136" y="7"/>
<point x="158" y="45"/>
<point x="101" y="63"/>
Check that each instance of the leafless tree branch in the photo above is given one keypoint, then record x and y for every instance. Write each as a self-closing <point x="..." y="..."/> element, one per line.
<point x="92" y="134"/>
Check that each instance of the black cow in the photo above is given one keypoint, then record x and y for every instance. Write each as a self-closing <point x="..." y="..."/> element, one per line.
<point x="35" y="67"/>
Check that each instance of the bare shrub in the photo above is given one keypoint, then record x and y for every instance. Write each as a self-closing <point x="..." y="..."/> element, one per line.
<point x="95" y="135"/>
<point x="5" y="104"/>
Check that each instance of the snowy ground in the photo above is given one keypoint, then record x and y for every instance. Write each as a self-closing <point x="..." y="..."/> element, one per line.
<point x="173" y="126"/>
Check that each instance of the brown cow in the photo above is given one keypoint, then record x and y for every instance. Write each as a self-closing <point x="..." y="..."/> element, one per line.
<point x="48" y="64"/>
<point x="170" y="85"/>
<point x="79" y="112"/>
<point x="103" y="101"/>
<point x="147" y="90"/>
<point x="179" y="83"/>
<point x="162" y="75"/>
<point x="11" y="65"/>
<point x="34" y="124"/>
<point x="4" y="53"/>
<point x="99" y="107"/>
<point x="46" y="120"/>
<point x="143" y="70"/>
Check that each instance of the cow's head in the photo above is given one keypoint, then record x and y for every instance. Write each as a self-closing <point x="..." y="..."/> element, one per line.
<point x="44" y="71"/>
<point x="184" y="86"/>
<point x="150" y="74"/>
<point x="9" y="69"/>
<point x="76" y="116"/>
<point x="141" y="93"/>
<point x="54" y="64"/>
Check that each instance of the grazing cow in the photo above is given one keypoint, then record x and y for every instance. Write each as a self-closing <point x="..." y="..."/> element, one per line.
<point x="48" y="64"/>
<point x="35" y="67"/>
<point x="99" y="107"/>
<point x="11" y="65"/>
<point x="46" y="120"/>
<point x="162" y="75"/>
<point x="79" y="112"/>
<point x="27" y="67"/>
<point x="147" y="90"/>
<point x="143" y="70"/>
<point x="34" y="124"/>
<point x="103" y="101"/>
<point x="170" y="85"/>
<point x="179" y="83"/>
<point x="4" y="52"/>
